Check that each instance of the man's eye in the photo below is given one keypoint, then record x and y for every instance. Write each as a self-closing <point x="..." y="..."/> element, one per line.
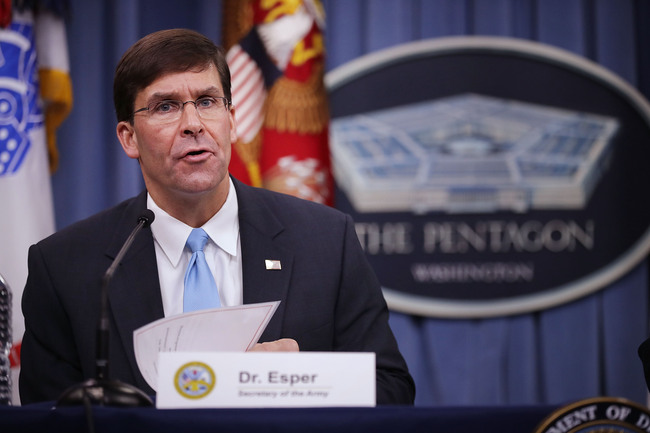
<point x="206" y="102"/>
<point x="165" y="107"/>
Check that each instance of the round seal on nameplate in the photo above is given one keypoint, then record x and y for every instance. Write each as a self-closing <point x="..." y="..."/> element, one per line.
<point x="598" y="415"/>
<point x="194" y="380"/>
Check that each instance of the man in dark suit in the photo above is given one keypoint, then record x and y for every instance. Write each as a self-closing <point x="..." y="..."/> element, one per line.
<point x="172" y="99"/>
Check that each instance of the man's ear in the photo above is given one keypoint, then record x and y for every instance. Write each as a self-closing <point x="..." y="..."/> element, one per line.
<point x="233" y="126"/>
<point x="128" y="139"/>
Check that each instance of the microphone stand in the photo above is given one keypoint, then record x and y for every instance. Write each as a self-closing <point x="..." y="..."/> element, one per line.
<point x="101" y="390"/>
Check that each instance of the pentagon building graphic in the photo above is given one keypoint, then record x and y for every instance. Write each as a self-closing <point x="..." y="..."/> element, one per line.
<point x="470" y="153"/>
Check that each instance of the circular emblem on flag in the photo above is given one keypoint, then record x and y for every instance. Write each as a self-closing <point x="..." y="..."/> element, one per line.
<point x="597" y="415"/>
<point x="490" y="176"/>
<point x="194" y="380"/>
<point x="20" y="111"/>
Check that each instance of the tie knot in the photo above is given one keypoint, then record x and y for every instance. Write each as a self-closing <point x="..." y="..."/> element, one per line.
<point x="197" y="239"/>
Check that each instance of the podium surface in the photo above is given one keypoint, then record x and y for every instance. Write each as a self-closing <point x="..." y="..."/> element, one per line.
<point x="498" y="419"/>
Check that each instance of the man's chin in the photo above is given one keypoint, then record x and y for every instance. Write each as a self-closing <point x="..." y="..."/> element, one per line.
<point x="202" y="186"/>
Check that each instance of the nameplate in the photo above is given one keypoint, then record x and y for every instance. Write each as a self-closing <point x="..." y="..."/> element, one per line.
<point x="265" y="379"/>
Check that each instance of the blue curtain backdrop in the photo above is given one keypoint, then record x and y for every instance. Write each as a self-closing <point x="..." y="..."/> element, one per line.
<point x="582" y="349"/>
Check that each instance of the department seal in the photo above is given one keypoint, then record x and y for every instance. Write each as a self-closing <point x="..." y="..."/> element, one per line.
<point x="598" y="415"/>
<point x="194" y="380"/>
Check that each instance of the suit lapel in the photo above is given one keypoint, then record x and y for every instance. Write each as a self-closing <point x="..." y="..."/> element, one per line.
<point x="260" y="231"/>
<point x="134" y="293"/>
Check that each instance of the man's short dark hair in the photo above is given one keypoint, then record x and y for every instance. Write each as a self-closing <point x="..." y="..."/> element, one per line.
<point x="160" y="53"/>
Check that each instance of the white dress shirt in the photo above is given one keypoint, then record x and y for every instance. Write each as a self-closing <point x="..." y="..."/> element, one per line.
<point x="222" y="252"/>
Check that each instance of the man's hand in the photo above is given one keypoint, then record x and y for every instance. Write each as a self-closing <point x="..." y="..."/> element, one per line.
<point x="282" y="345"/>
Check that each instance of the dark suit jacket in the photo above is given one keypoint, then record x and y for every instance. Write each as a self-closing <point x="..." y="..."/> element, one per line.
<point x="330" y="297"/>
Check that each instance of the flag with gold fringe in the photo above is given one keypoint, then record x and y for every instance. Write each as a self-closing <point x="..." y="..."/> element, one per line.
<point x="276" y="53"/>
<point x="35" y="97"/>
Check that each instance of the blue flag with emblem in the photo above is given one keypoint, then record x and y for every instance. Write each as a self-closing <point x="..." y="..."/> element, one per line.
<point x="35" y="96"/>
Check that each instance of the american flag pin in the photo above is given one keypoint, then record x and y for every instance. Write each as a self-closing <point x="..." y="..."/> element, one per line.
<point x="273" y="265"/>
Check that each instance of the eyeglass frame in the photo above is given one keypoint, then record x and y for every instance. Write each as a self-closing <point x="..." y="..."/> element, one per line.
<point x="227" y="104"/>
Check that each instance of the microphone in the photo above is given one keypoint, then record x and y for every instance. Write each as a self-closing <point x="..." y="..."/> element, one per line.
<point x="101" y="390"/>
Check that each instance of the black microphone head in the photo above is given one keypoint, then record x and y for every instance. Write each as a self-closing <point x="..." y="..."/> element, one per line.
<point x="147" y="216"/>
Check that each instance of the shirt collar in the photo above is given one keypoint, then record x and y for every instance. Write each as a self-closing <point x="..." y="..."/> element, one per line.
<point x="171" y="234"/>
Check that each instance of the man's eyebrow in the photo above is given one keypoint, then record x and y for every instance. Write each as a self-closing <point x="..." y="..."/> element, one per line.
<point x="161" y="96"/>
<point x="212" y="90"/>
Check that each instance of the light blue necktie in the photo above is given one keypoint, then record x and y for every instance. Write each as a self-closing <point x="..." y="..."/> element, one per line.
<point x="200" y="289"/>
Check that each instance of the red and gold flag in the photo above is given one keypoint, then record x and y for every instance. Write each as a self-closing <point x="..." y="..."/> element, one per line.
<point x="276" y="54"/>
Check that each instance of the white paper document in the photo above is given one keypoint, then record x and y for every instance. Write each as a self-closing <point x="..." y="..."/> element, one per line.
<point x="225" y="329"/>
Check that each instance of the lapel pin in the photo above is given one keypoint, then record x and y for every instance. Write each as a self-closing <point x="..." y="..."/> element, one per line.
<point x="273" y="265"/>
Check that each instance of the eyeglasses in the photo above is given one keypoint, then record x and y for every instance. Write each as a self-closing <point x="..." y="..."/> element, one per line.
<point x="169" y="110"/>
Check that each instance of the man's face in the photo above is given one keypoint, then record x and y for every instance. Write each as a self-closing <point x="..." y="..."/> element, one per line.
<point x="187" y="157"/>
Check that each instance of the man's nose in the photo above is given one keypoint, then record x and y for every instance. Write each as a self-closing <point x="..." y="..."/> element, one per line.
<point x="191" y="121"/>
